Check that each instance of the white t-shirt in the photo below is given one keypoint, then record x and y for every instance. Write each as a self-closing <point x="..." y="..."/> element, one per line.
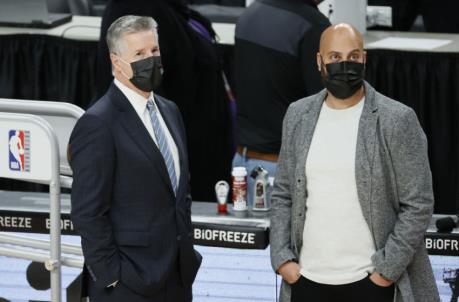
<point x="337" y="243"/>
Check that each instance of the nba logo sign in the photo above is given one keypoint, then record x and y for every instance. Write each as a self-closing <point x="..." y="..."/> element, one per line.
<point x="19" y="150"/>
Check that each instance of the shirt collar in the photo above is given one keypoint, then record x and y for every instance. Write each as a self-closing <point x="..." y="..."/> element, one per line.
<point x="137" y="101"/>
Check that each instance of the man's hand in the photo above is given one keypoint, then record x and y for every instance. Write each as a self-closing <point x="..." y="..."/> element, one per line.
<point x="377" y="279"/>
<point x="290" y="272"/>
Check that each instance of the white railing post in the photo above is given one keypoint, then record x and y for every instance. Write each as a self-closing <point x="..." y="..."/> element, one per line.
<point x="31" y="153"/>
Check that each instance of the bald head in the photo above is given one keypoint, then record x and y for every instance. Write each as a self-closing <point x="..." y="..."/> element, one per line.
<point x="341" y="42"/>
<point x="338" y="33"/>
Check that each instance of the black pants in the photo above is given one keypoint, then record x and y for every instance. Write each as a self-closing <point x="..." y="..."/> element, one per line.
<point x="173" y="291"/>
<point x="365" y="290"/>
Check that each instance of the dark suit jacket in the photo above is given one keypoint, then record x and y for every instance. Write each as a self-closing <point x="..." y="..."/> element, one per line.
<point x="133" y="228"/>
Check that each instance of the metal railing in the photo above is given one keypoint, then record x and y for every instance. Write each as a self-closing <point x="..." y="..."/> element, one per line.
<point x="38" y="117"/>
<point x="41" y="130"/>
<point x="39" y="244"/>
<point x="61" y="116"/>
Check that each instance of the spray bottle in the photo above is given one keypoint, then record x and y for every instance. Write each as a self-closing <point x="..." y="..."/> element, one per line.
<point x="260" y="197"/>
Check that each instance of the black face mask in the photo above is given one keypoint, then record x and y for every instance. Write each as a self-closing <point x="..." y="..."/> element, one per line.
<point x="148" y="73"/>
<point x="343" y="79"/>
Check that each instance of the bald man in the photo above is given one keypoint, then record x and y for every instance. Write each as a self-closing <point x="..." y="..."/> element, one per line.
<point x="353" y="191"/>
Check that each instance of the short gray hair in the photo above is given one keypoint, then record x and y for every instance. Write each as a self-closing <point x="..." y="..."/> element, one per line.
<point x="127" y="25"/>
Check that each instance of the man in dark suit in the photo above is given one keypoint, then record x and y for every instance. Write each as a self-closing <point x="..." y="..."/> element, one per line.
<point x="130" y="195"/>
<point x="192" y="79"/>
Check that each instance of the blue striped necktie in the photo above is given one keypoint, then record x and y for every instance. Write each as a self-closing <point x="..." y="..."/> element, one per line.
<point x="163" y="146"/>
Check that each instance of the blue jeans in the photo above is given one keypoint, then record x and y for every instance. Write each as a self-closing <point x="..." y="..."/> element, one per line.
<point x="250" y="164"/>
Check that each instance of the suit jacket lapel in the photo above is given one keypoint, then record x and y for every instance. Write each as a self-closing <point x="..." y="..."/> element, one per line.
<point x="365" y="151"/>
<point x="304" y="130"/>
<point x="133" y="125"/>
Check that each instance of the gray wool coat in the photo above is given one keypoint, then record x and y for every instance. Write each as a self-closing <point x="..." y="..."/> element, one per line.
<point x="394" y="187"/>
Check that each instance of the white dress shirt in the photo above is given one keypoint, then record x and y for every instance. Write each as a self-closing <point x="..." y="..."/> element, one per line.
<point x="139" y="103"/>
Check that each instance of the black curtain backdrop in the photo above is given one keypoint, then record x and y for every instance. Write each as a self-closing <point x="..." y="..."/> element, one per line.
<point x="41" y="67"/>
<point x="51" y="68"/>
<point x="429" y="83"/>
